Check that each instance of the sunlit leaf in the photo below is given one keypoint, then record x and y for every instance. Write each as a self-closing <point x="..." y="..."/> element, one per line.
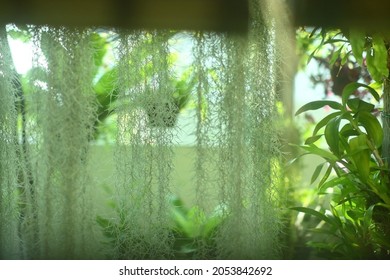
<point x="20" y="35"/>
<point x="312" y="139"/>
<point x="315" y="213"/>
<point x="107" y="82"/>
<point x="99" y="48"/>
<point x="377" y="59"/>
<point x="319" y="104"/>
<point x="357" y="39"/>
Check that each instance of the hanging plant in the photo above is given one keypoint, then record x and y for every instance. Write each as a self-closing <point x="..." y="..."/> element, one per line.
<point x="163" y="109"/>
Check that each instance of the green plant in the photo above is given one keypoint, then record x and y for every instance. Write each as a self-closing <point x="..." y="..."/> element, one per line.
<point x="357" y="223"/>
<point x="164" y="111"/>
<point x="192" y="231"/>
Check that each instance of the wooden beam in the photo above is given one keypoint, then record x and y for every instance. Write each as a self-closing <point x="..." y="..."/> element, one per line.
<point x="367" y="14"/>
<point x="214" y="15"/>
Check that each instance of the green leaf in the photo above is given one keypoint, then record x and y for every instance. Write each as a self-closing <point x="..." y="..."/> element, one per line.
<point x="360" y="155"/>
<point x="352" y="87"/>
<point x="182" y="222"/>
<point x="372" y="126"/>
<point x="312" y="139"/>
<point x="332" y="135"/>
<point x="336" y="55"/>
<point x="325" y="121"/>
<point x="316" y="172"/>
<point x="367" y="220"/>
<point x="344" y="181"/>
<point x="326" y="176"/>
<point x="99" y="47"/>
<point x="377" y="59"/>
<point x="107" y="82"/>
<point x="380" y="53"/>
<point x="314" y="213"/>
<point x="348" y="130"/>
<point x="356" y="104"/>
<point x="357" y="39"/>
<point x="320" y="152"/>
<point x="292" y="161"/>
<point x="21" y="35"/>
<point x="335" y="217"/>
<point x="318" y="48"/>
<point x="344" y="58"/>
<point x="319" y="104"/>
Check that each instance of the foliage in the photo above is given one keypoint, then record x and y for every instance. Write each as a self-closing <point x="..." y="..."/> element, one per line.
<point x="361" y="197"/>
<point x="344" y="57"/>
<point x="235" y="149"/>
<point x="192" y="230"/>
<point x="356" y="223"/>
<point x="105" y="77"/>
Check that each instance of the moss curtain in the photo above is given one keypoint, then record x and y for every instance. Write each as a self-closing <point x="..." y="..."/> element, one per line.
<point x="46" y="189"/>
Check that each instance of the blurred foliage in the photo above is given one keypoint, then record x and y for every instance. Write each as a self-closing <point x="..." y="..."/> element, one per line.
<point x="342" y="57"/>
<point x="193" y="231"/>
<point x="105" y="77"/>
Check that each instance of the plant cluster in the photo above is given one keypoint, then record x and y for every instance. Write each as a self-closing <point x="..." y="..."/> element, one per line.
<point x="356" y="224"/>
<point x="193" y="231"/>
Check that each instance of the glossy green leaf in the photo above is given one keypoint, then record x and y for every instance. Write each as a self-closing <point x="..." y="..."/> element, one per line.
<point x="356" y="104"/>
<point x="319" y="104"/>
<point x="372" y="126"/>
<point x="312" y="139"/>
<point x="357" y="39"/>
<point x="352" y="87"/>
<point x="348" y="130"/>
<point x="332" y="135"/>
<point x="325" y="121"/>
